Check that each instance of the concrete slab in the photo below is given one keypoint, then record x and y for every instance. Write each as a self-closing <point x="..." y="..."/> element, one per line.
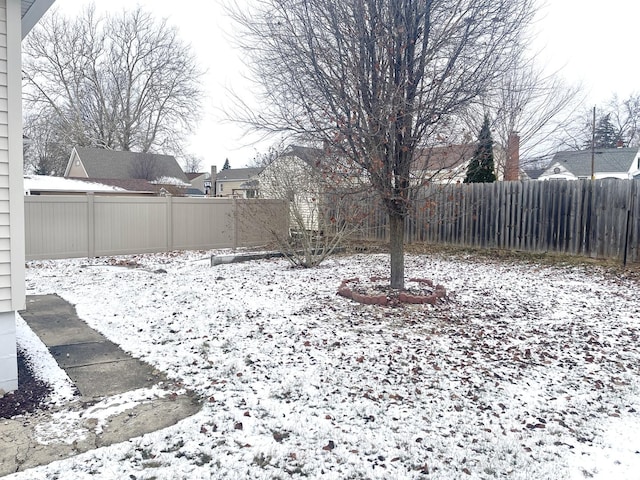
<point x="81" y="354"/>
<point x="105" y="379"/>
<point x="50" y="304"/>
<point x="57" y="329"/>
<point x="99" y="368"/>
<point x="21" y="450"/>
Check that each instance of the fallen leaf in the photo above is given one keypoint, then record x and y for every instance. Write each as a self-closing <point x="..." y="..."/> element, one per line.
<point x="329" y="446"/>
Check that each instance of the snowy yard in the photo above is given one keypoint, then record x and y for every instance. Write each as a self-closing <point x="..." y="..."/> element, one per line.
<point x="527" y="372"/>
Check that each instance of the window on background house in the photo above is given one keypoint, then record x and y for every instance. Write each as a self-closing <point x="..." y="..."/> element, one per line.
<point x="222" y="187"/>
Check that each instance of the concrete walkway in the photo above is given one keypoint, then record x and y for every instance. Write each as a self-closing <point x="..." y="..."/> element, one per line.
<point x="99" y="369"/>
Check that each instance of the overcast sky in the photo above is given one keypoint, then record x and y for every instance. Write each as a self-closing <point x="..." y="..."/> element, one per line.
<point x="594" y="43"/>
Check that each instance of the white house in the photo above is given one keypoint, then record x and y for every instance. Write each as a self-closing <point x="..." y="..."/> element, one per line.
<point x="17" y="18"/>
<point x="235" y="182"/>
<point x="295" y="176"/>
<point x="622" y="163"/>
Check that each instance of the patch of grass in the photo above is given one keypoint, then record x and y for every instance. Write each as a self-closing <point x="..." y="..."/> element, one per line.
<point x="280" y="436"/>
<point x="611" y="266"/>
<point x="175" y="447"/>
<point x="146" y="454"/>
<point x="261" y="460"/>
<point x="203" y="459"/>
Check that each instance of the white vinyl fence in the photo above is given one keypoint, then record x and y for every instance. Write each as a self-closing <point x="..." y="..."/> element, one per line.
<point x="92" y="225"/>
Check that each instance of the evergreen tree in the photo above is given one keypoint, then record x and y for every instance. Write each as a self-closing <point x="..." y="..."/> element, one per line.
<point x="605" y="133"/>
<point x="226" y="165"/>
<point x="480" y="169"/>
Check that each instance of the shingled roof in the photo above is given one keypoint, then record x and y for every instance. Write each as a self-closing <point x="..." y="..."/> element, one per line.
<point x="102" y="163"/>
<point x="606" y="160"/>
<point x="443" y="157"/>
<point x="234" y="174"/>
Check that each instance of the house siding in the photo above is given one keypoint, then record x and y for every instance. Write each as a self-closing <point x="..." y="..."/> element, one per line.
<point x="76" y="168"/>
<point x="226" y="188"/>
<point x="5" y="277"/>
<point x="12" y="249"/>
<point x="289" y="178"/>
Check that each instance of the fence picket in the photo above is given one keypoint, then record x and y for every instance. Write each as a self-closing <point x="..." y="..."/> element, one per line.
<point x="591" y="218"/>
<point x="581" y="217"/>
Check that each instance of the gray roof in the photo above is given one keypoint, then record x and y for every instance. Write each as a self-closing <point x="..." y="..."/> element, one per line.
<point x="312" y="156"/>
<point x="605" y="160"/>
<point x="534" y="173"/>
<point x="234" y="174"/>
<point x="102" y="163"/>
<point x="30" y="13"/>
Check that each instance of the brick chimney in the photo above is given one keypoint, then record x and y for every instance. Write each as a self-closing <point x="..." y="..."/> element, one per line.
<point x="512" y="165"/>
<point x="214" y="177"/>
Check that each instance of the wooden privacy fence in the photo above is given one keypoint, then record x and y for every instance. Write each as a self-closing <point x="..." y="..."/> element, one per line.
<point x="91" y="225"/>
<point x="598" y="218"/>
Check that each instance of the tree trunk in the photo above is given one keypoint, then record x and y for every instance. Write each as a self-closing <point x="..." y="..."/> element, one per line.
<point x="396" y="238"/>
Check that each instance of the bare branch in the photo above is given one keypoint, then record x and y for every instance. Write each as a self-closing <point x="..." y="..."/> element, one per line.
<point x="377" y="81"/>
<point x="125" y="82"/>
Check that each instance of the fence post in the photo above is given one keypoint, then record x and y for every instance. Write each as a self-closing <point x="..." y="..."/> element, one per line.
<point x="234" y="215"/>
<point x="628" y="230"/>
<point x="91" y="225"/>
<point x="169" y="207"/>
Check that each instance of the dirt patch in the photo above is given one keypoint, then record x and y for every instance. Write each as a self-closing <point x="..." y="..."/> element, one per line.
<point x="32" y="394"/>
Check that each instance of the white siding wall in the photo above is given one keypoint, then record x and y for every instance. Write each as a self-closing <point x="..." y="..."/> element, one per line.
<point x="12" y="289"/>
<point x="8" y="365"/>
<point x="291" y="179"/>
<point x="75" y="168"/>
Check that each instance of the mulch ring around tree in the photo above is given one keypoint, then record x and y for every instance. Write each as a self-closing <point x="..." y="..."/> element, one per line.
<point x="32" y="393"/>
<point x="378" y="291"/>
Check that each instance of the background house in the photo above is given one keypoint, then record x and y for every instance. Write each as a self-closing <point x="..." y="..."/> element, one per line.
<point x="532" y="173"/>
<point x="140" y="172"/>
<point x="17" y="18"/>
<point x="235" y="182"/>
<point x="621" y="163"/>
<point x="443" y="164"/>
<point x="200" y="183"/>
<point x="449" y="163"/>
<point x="295" y="176"/>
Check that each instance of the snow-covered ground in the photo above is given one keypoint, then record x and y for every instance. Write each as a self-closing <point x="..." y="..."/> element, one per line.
<point x="527" y="372"/>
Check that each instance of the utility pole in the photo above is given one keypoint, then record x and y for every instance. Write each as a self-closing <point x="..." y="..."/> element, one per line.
<point x="593" y="145"/>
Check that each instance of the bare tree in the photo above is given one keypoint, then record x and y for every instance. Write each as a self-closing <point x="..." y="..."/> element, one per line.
<point x="44" y="152"/>
<point x="624" y="114"/>
<point x="144" y="166"/>
<point x="376" y="79"/>
<point x="263" y="159"/>
<point x="192" y="163"/>
<point x="125" y="82"/>
<point x="619" y="117"/>
<point x="536" y="105"/>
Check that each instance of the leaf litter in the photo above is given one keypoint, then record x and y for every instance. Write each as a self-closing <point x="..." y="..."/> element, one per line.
<point x="526" y="372"/>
